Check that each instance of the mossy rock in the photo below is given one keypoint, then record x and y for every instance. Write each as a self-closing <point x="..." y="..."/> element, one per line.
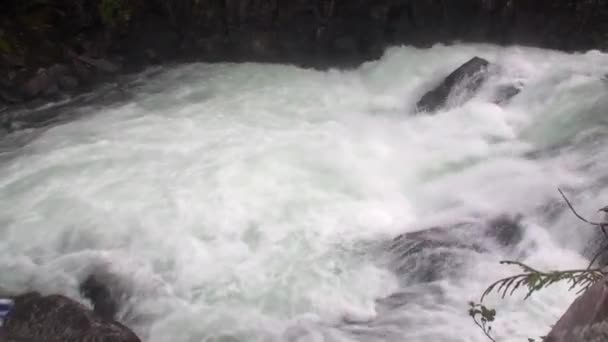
<point x="117" y="13"/>
<point x="5" y="45"/>
<point x="9" y="43"/>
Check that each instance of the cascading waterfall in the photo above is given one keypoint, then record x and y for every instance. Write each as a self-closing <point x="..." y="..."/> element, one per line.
<point x="249" y="202"/>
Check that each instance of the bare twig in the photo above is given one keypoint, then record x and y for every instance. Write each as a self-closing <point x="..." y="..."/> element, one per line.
<point x="601" y="225"/>
<point x="483" y="328"/>
<point x="482" y="316"/>
<point x="535" y="280"/>
<point x="599" y="253"/>
<point x="576" y="213"/>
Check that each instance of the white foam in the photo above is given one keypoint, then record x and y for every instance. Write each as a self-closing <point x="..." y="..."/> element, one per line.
<point x="234" y="198"/>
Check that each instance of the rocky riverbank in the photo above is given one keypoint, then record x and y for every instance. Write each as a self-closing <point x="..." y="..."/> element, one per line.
<point x="49" y="48"/>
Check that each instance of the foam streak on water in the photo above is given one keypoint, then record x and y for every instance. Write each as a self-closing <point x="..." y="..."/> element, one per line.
<point x="245" y="202"/>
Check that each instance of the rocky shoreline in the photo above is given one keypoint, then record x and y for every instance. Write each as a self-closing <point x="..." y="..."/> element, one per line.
<point x="52" y="48"/>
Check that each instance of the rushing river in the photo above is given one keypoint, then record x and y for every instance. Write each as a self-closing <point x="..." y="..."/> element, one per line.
<point x="249" y="202"/>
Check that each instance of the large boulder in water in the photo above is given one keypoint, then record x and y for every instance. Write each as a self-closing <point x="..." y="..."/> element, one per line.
<point x="587" y="318"/>
<point x="103" y="299"/>
<point x="465" y="81"/>
<point x="431" y="254"/>
<point x="505" y="93"/>
<point x="57" y="318"/>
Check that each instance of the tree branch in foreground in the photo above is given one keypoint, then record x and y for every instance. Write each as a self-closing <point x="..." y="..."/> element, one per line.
<point x="535" y="280"/>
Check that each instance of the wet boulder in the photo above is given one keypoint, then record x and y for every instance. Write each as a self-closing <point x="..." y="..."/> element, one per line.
<point x="57" y="318"/>
<point x="438" y="252"/>
<point x="10" y="95"/>
<point x="102" y="297"/>
<point x="4" y="337"/>
<point x="462" y="82"/>
<point x="41" y="83"/>
<point x="100" y="64"/>
<point x="49" y="81"/>
<point x="597" y="246"/>
<point x="586" y="320"/>
<point x="505" y="93"/>
<point x="505" y="231"/>
<point x="68" y="82"/>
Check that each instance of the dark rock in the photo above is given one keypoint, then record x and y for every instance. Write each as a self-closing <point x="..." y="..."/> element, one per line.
<point x="96" y="290"/>
<point x="467" y="79"/>
<point x="506" y="231"/>
<point x="506" y="93"/>
<point x="586" y="320"/>
<point x="438" y="252"/>
<point x="12" y="61"/>
<point x="152" y="33"/>
<point x="82" y="72"/>
<point x="114" y="95"/>
<point x="428" y="261"/>
<point x="597" y="247"/>
<point x="68" y="82"/>
<point x="58" y="70"/>
<point x="318" y="33"/>
<point x="39" y="84"/>
<point x="52" y="90"/>
<point x="47" y="82"/>
<point x="58" y="318"/>
<point x="345" y="44"/>
<point x="100" y="64"/>
<point x="10" y="96"/>
<point x="4" y="337"/>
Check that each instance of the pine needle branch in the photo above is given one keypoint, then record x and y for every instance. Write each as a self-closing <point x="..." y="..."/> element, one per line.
<point x="535" y="280"/>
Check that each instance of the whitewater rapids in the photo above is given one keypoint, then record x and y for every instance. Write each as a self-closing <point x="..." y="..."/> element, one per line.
<point x="246" y="202"/>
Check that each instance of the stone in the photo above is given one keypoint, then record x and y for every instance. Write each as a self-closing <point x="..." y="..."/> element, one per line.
<point x="10" y="96"/>
<point x="100" y="64"/>
<point x="466" y="80"/>
<point x="311" y="33"/>
<point x="434" y="253"/>
<point x="38" y="84"/>
<point x="104" y="302"/>
<point x="4" y="337"/>
<point x="345" y="44"/>
<point x="58" y="70"/>
<point x="505" y="230"/>
<point x="13" y="61"/>
<point x="82" y="72"/>
<point x="505" y="93"/>
<point x="68" y="82"/>
<point x="58" y="318"/>
<point x="586" y="320"/>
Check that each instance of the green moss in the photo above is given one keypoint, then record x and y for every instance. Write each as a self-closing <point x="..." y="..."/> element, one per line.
<point x="116" y="13"/>
<point x="5" y="44"/>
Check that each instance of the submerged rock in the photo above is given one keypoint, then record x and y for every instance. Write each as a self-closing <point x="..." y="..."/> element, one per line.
<point x="437" y="252"/>
<point x="58" y="318"/>
<point x="40" y="83"/>
<point x="9" y="95"/>
<point x="100" y="64"/>
<point x="465" y="80"/>
<point x="104" y="302"/>
<point x="506" y="231"/>
<point x="506" y="93"/>
<point x="4" y="337"/>
<point x="68" y="82"/>
<point x="587" y="318"/>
